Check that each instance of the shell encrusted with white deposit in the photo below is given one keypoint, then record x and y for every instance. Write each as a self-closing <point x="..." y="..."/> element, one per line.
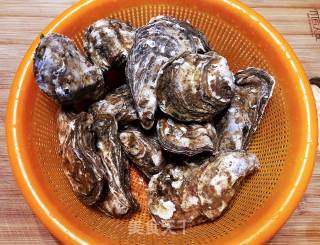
<point x="195" y="87"/>
<point x="154" y="44"/>
<point x="94" y="163"/>
<point x="188" y="139"/>
<point x="64" y="74"/>
<point x="183" y="196"/>
<point x="107" y="43"/>
<point x="254" y="88"/>
<point x="82" y="164"/>
<point x="144" y="151"/>
<point x="118" y="200"/>
<point x="118" y="103"/>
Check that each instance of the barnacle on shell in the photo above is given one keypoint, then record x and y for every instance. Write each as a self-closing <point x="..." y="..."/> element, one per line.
<point x="188" y="139"/>
<point x="64" y="74"/>
<point x="154" y="44"/>
<point x="183" y="196"/>
<point x="254" y="88"/>
<point x="195" y="87"/>
<point x="107" y="43"/>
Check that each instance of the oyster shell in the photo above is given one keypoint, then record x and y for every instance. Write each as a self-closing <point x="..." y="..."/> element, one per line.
<point x="82" y="165"/>
<point x="107" y="43"/>
<point x="144" y="151"/>
<point x="118" y="103"/>
<point x="65" y="125"/>
<point x="64" y="74"/>
<point x="252" y="94"/>
<point x="183" y="196"/>
<point x="194" y="87"/>
<point x="188" y="139"/>
<point x="154" y="44"/>
<point x="315" y="86"/>
<point x="118" y="200"/>
<point x="315" y="81"/>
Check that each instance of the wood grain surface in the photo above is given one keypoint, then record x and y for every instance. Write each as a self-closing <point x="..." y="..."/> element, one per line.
<point x="22" y="20"/>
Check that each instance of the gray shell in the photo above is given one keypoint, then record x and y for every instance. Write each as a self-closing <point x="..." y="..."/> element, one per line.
<point x="144" y="151"/>
<point x="188" y="139"/>
<point x="183" y="196"/>
<point x="107" y="43"/>
<point x="252" y="94"/>
<point x="82" y="165"/>
<point x="65" y="125"/>
<point x="118" y="200"/>
<point x="64" y="74"/>
<point x="194" y="87"/>
<point x="154" y="44"/>
<point x="118" y="103"/>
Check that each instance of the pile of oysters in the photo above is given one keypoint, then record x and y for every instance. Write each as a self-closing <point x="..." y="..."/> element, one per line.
<point x="181" y="117"/>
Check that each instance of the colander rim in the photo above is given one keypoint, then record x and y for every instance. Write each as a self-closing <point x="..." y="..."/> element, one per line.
<point x="68" y="232"/>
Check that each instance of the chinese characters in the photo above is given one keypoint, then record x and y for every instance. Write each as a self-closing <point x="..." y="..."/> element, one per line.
<point x="149" y="228"/>
<point x="314" y="22"/>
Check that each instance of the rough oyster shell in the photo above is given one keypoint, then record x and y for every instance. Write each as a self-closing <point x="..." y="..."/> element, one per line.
<point x="188" y="139"/>
<point x="144" y="151"/>
<point x="118" y="200"/>
<point x="82" y="165"/>
<point x="107" y="43"/>
<point x="65" y="125"/>
<point x="154" y="44"/>
<point x="183" y="196"/>
<point x="194" y="87"/>
<point x="64" y="74"/>
<point x="118" y="103"/>
<point x="252" y="94"/>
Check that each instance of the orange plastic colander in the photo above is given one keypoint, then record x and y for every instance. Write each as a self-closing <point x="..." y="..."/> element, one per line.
<point x="285" y="141"/>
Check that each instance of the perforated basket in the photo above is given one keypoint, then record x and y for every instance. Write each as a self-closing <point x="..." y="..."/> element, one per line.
<point x="285" y="141"/>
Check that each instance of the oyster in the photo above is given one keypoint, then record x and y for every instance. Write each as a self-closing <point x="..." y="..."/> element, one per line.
<point x="184" y="196"/>
<point x="188" y="139"/>
<point x="107" y="43"/>
<point x="315" y="86"/>
<point x="252" y="94"/>
<point x="144" y="151"/>
<point x="194" y="87"/>
<point x="117" y="103"/>
<point x="64" y="74"/>
<point x="154" y="44"/>
<point x="65" y="125"/>
<point x="118" y="200"/>
<point x="82" y="165"/>
<point x="315" y="81"/>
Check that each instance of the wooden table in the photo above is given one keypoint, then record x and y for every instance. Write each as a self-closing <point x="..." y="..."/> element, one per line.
<point x="22" y="20"/>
